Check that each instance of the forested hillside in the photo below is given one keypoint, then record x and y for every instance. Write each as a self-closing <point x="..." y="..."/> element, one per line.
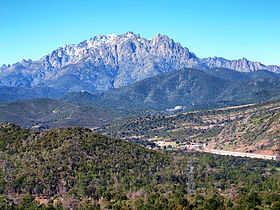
<point x="191" y="89"/>
<point x="77" y="168"/>
<point x="252" y="135"/>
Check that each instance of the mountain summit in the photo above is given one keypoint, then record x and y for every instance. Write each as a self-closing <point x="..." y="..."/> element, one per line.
<point x="110" y="61"/>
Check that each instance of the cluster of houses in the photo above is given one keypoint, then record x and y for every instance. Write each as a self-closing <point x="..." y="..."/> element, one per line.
<point x="171" y="145"/>
<point x="192" y="147"/>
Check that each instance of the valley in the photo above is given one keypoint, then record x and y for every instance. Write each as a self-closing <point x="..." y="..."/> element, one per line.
<point x="217" y="129"/>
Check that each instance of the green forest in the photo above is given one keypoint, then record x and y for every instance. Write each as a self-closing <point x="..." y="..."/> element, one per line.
<point x="76" y="168"/>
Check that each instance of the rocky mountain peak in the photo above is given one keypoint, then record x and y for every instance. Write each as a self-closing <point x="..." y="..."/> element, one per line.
<point x="108" y="61"/>
<point x="131" y="35"/>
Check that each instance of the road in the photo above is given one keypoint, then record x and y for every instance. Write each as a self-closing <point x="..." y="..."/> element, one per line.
<point x="240" y="154"/>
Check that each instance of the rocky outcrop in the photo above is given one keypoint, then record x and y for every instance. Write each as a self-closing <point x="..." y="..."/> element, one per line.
<point x="110" y="61"/>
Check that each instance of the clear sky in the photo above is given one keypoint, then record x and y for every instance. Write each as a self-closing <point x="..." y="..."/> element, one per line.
<point x="230" y="28"/>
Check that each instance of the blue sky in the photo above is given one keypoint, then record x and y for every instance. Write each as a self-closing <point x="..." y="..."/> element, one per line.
<point x="230" y="28"/>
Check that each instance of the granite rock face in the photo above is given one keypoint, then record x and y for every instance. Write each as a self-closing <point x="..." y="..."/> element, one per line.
<point x="110" y="61"/>
<point x="242" y="65"/>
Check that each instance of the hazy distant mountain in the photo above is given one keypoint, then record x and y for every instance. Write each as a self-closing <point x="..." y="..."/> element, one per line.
<point x="189" y="88"/>
<point x="242" y="65"/>
<point x="22" y="93"/>
<point x="111" y="61"/>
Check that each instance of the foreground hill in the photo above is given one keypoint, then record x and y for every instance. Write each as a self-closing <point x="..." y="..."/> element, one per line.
<point x="247" y="128"/>
<point x="46" y="113"/>
<point x="190" y="89"/>
<point x="77" y="168"/>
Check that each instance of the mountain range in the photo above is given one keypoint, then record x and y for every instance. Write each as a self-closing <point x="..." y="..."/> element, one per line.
<point x="171" y="92"/>
<point x="110" y="61"/>
<point x="188" y="89"/>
